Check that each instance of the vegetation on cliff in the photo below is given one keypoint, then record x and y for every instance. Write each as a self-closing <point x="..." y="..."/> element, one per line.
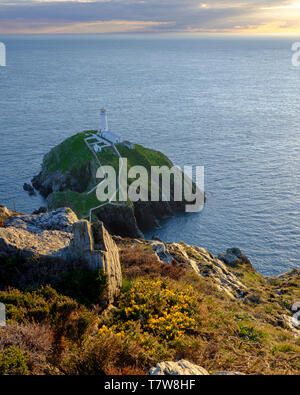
<point x="166" y="311"/>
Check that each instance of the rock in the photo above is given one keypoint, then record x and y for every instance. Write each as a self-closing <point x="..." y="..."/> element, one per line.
<point x="156" y="238"/>
<point x="60" y="235"/>
<point x="5" y="214"/>
<point x="28" y="188"/>
<point x="61" y="219"/>
<point x="291" y="323"/>
<point x="95" y="246"/>
<point x="161" y="251"/>
<point x="206" y="265"/>
<point x="41" y="210"/>
<point x="28" y="240"/>
<point x="224" y="373"/>
<point x="233" y="257"/>
<point x="181" y="367"/>
<point x="119" y="220"/>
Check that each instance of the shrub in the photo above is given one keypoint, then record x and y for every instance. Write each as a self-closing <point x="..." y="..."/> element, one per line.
<point x="46" y="306"/>
<point x="164" y="312"/>
<point x="13" y="361"/>
<point x="138" y="262"/>
<point x="36" y="340"/>
<point x="106" y="354"/>
<point x="85" y="286"/>
<point x="9" y="268"/>
<point x="251" y="334"/>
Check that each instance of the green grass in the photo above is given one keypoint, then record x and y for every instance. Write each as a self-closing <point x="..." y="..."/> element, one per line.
<point x="69" y="154"/>
<point x="80" y="203"/>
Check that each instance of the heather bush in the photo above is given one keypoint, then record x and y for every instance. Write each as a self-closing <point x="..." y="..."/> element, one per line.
<point x="137" y="262"/>
<point x="33" y="339"/>
<point x="47" y="306"/>
<point x="105" y="353"/>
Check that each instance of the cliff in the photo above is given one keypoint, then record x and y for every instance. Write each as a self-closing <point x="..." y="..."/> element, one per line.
<point x="179" y="309"/>
<point x="69" y="173"/>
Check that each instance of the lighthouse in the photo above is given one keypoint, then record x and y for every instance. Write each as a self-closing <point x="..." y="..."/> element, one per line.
<point x="104" y="121"/>
<point x="104" y="131"/>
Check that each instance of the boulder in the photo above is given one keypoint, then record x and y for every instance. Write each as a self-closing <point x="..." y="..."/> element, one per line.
<point x="181" y="368"/>
<point x="234" y="257"/>
<point x="46" y="243"/>
<point x="291" y="323"/>
<point x="161" y="251"/>
<point x="41" y="210"/>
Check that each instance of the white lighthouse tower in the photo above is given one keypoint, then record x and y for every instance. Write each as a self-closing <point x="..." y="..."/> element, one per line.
<point x="104" y="131"/>
<point x="104" y="121"/>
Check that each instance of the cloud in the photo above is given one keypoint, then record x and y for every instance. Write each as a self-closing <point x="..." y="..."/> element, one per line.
<point x="84" y="16"/>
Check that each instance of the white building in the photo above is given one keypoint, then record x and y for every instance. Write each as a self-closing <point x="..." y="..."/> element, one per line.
<point x="104" y="131"/>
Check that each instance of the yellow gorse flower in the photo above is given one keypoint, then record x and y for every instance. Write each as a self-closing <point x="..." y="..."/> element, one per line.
<point x="159" y="309"/>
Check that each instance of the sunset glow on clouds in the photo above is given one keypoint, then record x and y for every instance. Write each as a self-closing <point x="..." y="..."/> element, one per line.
<point x="118" y="16"/>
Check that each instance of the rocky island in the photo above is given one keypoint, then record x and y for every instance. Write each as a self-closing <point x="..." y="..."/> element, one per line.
<point x="69" y="172"/>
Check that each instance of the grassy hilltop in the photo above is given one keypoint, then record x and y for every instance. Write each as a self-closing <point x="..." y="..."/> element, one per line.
<point x="72" y="160"/>
<point x="69" y="173"/>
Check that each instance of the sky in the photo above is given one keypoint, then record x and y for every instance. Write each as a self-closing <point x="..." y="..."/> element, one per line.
<point x="154" y="16"/>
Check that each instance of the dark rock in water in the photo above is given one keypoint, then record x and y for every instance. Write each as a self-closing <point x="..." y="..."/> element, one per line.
<point x="156" y="238"/>
<point x="28" y="188"/>
<point x="41" y="210"/>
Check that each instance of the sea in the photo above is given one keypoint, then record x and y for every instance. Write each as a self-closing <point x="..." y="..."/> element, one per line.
<point x="230" y="104"/>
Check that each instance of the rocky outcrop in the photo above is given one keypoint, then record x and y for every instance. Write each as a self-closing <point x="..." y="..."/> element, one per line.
<point x="225" y="373"/>
<point x="5" y="214"/>
<point x="28" y="188"/>
<point x="184" y="367"/>
<point x="234" y="257"/>
<point x="291" y="323"/>
<point x="59" y="234"/>
<point x="162" y="252"/>
<point x="61" y="220"/>
<point x="203" y="263"/>
<point x="119" y="220"/>
<point x="94" y="245"/>
<point x="45" y="234"/>
<point x="181" y="367"/>
<point x="47" y="182"/>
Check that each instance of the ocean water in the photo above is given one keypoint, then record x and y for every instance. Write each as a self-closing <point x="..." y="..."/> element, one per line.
<point x="231" y="105"/>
